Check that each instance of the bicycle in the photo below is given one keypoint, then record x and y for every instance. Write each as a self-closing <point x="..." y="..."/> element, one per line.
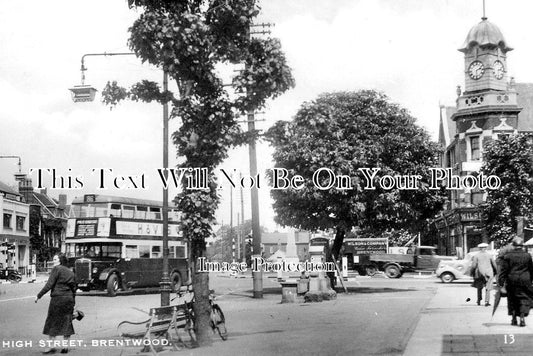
<point x="217" y="319"/>
<point x="187" y="335"/>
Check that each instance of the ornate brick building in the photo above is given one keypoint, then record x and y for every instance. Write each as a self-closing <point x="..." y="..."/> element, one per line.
<point x="490" y="105"/>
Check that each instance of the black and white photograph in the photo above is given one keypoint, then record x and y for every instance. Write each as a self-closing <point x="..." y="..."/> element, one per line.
<point x="266" y="177"/>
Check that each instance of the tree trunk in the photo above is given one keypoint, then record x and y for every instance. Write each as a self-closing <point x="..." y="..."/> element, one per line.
<point x="337" y="243"/>
<point x="201" y="304"/>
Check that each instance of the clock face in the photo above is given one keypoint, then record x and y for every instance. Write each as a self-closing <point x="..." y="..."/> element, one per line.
<point x="476" y="70"/>
<point x="498" y="69"/>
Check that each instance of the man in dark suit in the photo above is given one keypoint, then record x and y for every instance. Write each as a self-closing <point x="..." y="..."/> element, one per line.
<point x="517" y="275"/>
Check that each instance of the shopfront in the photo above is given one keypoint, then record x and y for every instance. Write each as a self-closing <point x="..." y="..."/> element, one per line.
<point x="458" y="231"/>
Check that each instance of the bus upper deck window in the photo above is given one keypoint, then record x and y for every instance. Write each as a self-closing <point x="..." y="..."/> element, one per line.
<point x="141" y="212"/>
<point x="128" y="211"/>
<point x="115" y="210"/>
<point x="155" y="213"/>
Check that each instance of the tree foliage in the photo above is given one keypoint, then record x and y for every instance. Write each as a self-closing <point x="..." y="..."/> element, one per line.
<point x="511" y="159"/>
<point x="345" y="131"/>
<point x="188" y="39"/>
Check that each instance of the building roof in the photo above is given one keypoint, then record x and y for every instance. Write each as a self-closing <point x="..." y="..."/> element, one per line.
<point x="42" y="199"/>
<point x="4" y="188"/>
<point x="483" y="34"/>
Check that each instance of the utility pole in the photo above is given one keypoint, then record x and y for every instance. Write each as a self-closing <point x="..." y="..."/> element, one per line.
<point x="231" y="224"/>
<point x="238" y="244"/>
<point x="243" y="235"/>
<point x="257" y="276"/>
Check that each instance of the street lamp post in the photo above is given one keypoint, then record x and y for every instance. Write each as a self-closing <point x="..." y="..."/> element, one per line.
<point x="165" y="280"/>
<point x="81" y="93"/>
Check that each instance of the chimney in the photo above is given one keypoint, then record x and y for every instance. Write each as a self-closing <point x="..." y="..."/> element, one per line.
<point x="43" y="191"/>
<point x="62" y="201"/>
<point x="26" y="189"/>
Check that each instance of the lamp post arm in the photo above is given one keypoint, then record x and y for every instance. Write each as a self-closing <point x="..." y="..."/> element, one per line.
<point x="105" y="54"/>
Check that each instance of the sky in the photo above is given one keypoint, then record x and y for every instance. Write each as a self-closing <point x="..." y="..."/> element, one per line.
<point x="404" y="48"/>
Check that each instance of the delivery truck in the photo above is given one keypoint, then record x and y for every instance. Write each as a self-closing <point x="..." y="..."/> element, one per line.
<point x="368" y="256"/>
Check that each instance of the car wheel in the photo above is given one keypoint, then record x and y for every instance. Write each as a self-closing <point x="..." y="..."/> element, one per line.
<point x="112" y="285"/>
<point x="447" y="277"/>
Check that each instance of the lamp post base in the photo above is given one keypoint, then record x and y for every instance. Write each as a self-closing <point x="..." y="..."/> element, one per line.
<point x="257" y="278"/>
<point x="165" y="289"/>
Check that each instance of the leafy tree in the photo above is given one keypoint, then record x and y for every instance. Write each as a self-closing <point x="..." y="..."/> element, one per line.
<point x="345" y="131"/>
<point x="36" y="240"/>
<point x="188" y="39"/>
<point x="511" y="159"/>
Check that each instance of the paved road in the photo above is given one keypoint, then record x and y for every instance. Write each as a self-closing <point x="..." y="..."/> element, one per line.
<point x="376" y="317"/>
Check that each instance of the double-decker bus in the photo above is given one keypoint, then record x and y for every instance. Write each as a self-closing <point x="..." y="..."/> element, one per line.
<point x="116" y="243"/>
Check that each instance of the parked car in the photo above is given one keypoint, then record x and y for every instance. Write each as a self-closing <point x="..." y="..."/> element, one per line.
<point x="449" y="271"/>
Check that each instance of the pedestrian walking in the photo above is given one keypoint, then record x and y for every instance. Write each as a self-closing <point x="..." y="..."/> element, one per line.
<point x="484" y="270"/>
<point x="516" y="275"/>
<point x="62" y="287"/>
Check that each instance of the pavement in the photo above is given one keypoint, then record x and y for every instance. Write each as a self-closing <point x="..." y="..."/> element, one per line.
<point x="451" y="325"/>
<point x="447" y="324"/>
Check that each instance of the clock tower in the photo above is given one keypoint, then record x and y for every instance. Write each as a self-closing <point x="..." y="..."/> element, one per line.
<point x="485" y="52"/>
<point x="487" y="109"/>
<point x="488" y="106"/>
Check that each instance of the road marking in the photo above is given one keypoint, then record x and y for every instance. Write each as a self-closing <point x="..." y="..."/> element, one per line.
<point x="19" y="298"/>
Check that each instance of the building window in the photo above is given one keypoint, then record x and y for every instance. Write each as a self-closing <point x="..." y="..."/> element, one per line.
<point x="476" y="198"/>
<point x="7" y="221"/>
<point x="20" y="222"/>
<point x="475" y="148"/>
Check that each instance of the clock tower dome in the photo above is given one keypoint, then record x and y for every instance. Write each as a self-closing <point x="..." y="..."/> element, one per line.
<point x="485" y="52"/>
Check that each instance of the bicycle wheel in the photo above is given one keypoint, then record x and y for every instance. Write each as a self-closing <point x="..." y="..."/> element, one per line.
<point x="218" y="322"/>
<point x="185" y="331"/>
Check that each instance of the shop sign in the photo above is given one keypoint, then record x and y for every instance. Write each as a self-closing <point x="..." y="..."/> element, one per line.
<point x="470" y="216"/>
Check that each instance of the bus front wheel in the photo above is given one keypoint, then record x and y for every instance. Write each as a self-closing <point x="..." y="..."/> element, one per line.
<point x="175" y="281"/>
<point x="112" y="285"/>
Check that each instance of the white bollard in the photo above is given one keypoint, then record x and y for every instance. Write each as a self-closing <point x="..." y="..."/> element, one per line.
<point x="345" y="268"/>
<point x="280" y="272"/>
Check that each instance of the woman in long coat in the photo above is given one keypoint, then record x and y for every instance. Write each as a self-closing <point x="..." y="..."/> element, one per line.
<point x="517" y="275"/>
<point x="62" y="285"/>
